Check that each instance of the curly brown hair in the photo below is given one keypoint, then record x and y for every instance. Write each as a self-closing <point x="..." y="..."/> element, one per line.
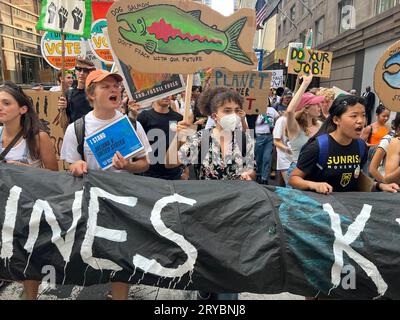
<point x="212" y="99"/>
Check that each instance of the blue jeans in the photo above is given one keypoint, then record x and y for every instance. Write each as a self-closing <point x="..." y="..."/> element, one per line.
<point x="263" y="153"/>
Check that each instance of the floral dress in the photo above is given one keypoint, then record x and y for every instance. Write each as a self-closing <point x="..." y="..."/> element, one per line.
<point x="212" y="164"/>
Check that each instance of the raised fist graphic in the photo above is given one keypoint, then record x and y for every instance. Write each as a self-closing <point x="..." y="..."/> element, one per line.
<point x="52" y="12"/>
<point x="63" y="15"/>
<point x="77" y="15"/>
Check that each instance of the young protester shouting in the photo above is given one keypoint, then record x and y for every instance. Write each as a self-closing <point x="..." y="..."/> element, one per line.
<point x="23" y="143"/>
<point x="378" y="162"/>
<point x="302" y="119"/>
<point x="332" y="160"/>
<point x="228" y="153"/>
<point x="103" y="90"/>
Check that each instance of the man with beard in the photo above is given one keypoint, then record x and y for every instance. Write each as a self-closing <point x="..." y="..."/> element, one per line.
<point x="159" y="123"/>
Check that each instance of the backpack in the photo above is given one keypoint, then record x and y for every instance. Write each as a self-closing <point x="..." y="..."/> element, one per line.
<point x="79" y="127"/>
<point x="323" y="143"/>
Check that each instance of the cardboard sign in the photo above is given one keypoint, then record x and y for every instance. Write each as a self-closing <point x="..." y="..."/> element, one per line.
<point x="387" y="78"/>
<point x="51" y="49"/>
<point x="180" y="36"/>
<point x="253" y="86"/>
<point x="292" y="45"/>
<point x="99" y="42"/>
<point x="120" y="136"/>
<point x="144" y="88"/>
<point x="308" y="61"/>
<point x="45" y="105"/>
<point x="277" y="79"/>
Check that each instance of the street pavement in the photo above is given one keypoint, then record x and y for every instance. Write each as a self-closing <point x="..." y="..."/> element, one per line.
<point x="13" y="291"/>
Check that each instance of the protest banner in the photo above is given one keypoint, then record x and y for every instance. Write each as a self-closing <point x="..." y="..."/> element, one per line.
<point x="215" y="236"/>
<point x="277" y="79"/>
<point x="51" y="47"/>
<point x="308" y="61"/>
<point x="45" y="105"/>
<point x="180" y="36"/>
<point x="118" y="135"/>
<point x="72" y="17"/>
<point x="252" y="86"/>
<point x="387" y="78"/>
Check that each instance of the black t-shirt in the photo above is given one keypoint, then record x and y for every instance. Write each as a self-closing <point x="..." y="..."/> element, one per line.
<point x="78" y="104"/>
<point x="342" y="167"/>
<point x="150" y="120"/>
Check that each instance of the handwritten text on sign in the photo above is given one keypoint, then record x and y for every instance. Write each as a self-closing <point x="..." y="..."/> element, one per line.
<point x="253" y="86"/>
<point x="308" y="61"/>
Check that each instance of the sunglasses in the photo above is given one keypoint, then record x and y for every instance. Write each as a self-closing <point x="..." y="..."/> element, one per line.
<point x="85" y="70"/>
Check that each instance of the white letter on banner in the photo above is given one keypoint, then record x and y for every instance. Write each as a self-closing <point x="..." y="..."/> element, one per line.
<point x="152" y="266"/>
<point x="93" y="230"/>
<point x="342" y="244"/>
<point x="64" y="246"/>
<point x="7" y="234"/>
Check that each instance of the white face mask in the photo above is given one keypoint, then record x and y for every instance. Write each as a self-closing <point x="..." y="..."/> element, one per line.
<point x="229" y="122"/>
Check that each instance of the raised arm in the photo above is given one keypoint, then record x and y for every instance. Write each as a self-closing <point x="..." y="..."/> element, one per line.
<point x="292" y="125"/>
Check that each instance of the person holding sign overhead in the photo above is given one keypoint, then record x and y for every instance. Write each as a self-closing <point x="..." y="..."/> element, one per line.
<point x="103" y="90"/>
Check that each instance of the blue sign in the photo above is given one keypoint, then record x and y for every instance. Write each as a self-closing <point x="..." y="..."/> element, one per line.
<point x="260" y="57"/>
<point x="116" y="136"/>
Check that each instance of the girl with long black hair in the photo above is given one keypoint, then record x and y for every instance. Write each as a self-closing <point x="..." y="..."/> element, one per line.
<point x="331" y="161"/>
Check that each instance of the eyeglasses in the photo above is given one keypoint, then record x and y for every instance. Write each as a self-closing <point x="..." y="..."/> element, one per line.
<point x="85" y="70"/>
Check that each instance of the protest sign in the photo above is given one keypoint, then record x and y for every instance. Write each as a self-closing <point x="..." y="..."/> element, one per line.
<point x="292" y="45"/>
<point x="339" y="92"/>
<point x="308" y="61"/>
<point x="144" y="88"/>
<point x="252" y="86"/>
<point x="51" y="47"/>
<point x="120" y="136"/>
<point x="99" y="42"/>
<point x="387" y="78"/>
<point x="277" y="79"/>
<point x="180" y="36"/>
<point x="72" y="17"/>
<point x="181" y="234"/>
<point x="45" y="105"/>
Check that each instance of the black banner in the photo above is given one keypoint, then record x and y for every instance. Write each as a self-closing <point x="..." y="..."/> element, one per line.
<point x="214" y="236"/>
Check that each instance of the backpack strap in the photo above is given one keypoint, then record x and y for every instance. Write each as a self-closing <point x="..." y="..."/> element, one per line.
<point x="79" y="126"/>
<point x="362" y="147"/>
<point x="323" y="143"/>
<point x="243" y="143"/>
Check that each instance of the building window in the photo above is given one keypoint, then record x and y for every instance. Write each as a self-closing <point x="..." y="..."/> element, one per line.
<point x="319" y="31"/>
<point x="303" y="37"/>
<point x="304" y="7"/>
<point x="384" y="5"/>
<point x="346" y="15"/>
<point x="293" y="13"/>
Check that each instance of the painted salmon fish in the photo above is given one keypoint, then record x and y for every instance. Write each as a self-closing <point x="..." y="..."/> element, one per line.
<point x="166" y="29"/>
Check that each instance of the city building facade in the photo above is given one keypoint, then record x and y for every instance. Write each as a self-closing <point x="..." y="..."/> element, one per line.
<point x="358" y="32"/>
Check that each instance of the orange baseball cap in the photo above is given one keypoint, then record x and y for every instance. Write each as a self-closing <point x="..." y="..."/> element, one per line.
<point x="100" y="75"/>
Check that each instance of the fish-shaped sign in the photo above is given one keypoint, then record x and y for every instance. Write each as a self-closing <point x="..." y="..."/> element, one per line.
<point x="180" y="36"/>
<point x="387" y="78"/>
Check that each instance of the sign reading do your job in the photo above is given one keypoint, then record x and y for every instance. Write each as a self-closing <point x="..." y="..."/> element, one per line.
<point x="310" y="62"/>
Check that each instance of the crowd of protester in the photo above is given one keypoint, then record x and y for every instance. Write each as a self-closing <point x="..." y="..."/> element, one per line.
<point x="321" y="143"/>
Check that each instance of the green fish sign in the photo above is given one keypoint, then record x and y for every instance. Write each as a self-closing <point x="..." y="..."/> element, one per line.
<point x="181" y="39"/>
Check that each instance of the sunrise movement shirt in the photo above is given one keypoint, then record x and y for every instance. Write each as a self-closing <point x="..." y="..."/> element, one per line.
<point x="341" y="167"/>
